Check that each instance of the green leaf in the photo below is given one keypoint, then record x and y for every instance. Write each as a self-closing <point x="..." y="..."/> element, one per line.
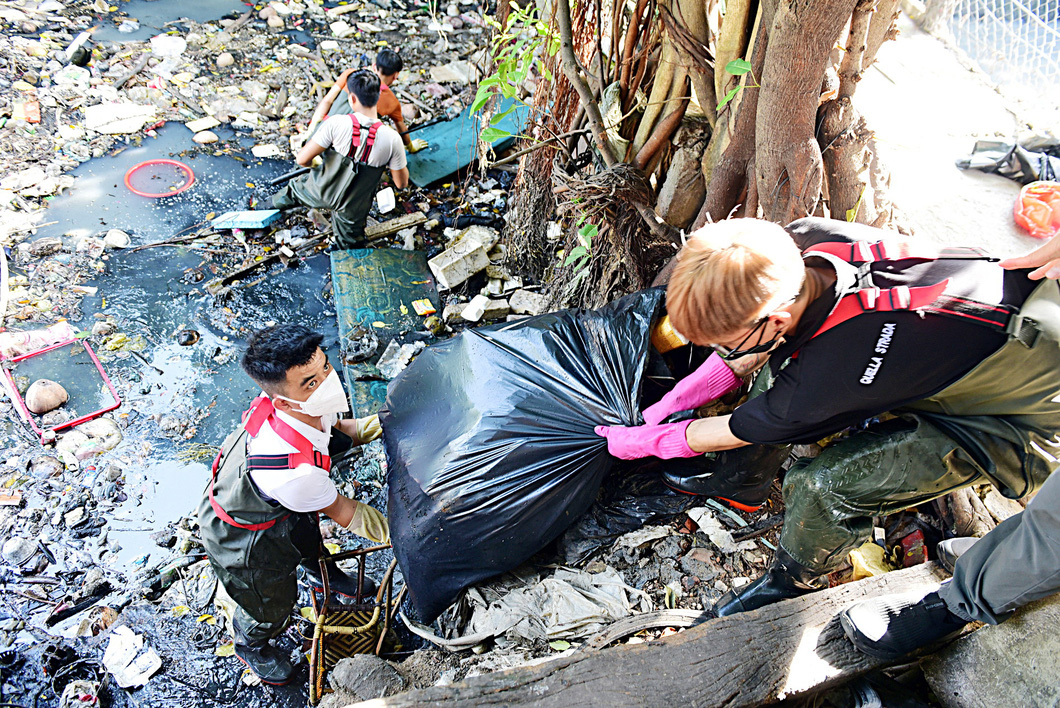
<point x="492" y="135"/>
<point x="480" y="99"/>
<point x="559" y="645"/>
<point x="738" y="67"/>
<point x="497" y="118"/>
<point x="574" y="255"/>
<point x="728" y="97"/>
<point x="587" y="232"/>
<point x="671" y="598"/>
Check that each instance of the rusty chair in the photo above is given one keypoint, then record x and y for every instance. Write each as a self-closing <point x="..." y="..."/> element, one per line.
<point x="342" y="630"/>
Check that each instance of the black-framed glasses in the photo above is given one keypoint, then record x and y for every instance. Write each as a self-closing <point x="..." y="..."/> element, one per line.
<point x="736" y="352"/>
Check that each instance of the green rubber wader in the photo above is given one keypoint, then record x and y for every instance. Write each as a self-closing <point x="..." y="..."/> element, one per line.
<point x="256" y="567"/>
<point x="999" y="423"/>
<point x="344" y="186"/>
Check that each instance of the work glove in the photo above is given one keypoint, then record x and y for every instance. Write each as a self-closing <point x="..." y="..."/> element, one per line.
<point x="711" y="380"/>
<point x="663" y="441"/>
<point x="368" y="522"/>
<point x="317" y="162"/>
<point x="417" y="145"/>
<point x="366" y="429"/>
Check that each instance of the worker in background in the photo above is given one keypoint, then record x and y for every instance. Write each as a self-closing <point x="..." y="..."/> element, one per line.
<point x="259" y="515"/>
<point x="387" y="67"/>
<point x="945" y="365"/>
<point x="1018" y="562"/>
<point x="348" y="155"/>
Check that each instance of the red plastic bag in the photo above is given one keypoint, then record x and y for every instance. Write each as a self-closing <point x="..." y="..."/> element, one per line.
<point x="1037" y="210"/>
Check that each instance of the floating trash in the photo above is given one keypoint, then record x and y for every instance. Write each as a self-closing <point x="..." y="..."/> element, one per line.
<point x="159" y="178"/>
<point x="187" y="337"/>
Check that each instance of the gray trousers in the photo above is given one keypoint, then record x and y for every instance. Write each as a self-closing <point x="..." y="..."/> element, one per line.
<point x="1016" y="563"/>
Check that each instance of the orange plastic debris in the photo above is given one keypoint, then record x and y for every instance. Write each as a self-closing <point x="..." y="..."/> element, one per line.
<point x="1037" y="210"/>
<point x="28" y="111"/>
<point x="423" y="307"/>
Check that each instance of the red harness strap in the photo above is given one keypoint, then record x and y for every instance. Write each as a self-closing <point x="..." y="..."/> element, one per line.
<point x="858" y="252"/>
<point x="262" y="410"/>
<point x="877" y="300"/>
<point x="355" y="139"/>
<point x="926" y="298"/>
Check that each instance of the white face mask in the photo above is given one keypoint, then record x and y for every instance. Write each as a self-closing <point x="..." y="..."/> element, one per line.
<point x="328" y="398"/>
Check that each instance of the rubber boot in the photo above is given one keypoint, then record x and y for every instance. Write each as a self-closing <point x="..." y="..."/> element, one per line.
<point x="742" y="477"/>
<point x="891" y="626"/>
<point x="338" y="582"/>
<point x="267" y="663"/>
<point x="953" y="548"/>
<point x="785" y="579"/>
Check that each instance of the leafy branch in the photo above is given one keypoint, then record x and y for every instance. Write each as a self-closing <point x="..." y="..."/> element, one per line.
<point x="738" y="67"/>
<point x="517" y="47"/>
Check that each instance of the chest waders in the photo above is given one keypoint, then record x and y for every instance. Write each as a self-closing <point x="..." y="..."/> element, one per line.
<point x="998" y="422"/>
<point x="344" y="184"/>
<point x="255" y="545"/>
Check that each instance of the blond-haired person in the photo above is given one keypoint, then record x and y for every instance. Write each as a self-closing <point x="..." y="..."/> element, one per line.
<point x="941" y="365"/>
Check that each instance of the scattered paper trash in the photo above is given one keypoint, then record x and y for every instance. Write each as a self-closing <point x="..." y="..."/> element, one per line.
<point x="386" y="200"/>
<point x="266" y="150"/>
<point x="717" y="534"/>
<point x="127" y="659"/>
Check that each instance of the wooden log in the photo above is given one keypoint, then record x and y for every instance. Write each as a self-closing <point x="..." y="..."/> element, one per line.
<point x="783" y="650"/>
<point x="392" y="226"/>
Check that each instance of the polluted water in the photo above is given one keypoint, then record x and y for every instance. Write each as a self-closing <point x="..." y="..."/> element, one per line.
<point x="181" y="394"/>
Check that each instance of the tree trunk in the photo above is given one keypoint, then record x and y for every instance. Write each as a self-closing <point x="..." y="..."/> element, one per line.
<point x="788" y="163"/>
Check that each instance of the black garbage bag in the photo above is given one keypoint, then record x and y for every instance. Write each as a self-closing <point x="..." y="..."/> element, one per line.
<point x="1013" y="161"/>
<point x="490" y="444"/>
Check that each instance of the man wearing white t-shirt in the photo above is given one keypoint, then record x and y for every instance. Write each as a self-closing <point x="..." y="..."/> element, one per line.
<point x="348" y="154"/>
<point x="258" y="518"/>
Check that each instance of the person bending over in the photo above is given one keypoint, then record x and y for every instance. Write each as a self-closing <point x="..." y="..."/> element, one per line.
<point x="259" y="514"/>
<point x="948" y="364"/>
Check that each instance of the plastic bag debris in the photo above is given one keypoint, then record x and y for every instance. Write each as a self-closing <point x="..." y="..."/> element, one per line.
<point x="1012" y="161"/>
<point x="490" y="444"/>
<point x="1037" y="211"/>
<point x="629" y="501"/>
<point x="128" y="661"/>
<point x="868" y="561"/>
<point x="718" y="534"/>
<point x="569" y="605"/>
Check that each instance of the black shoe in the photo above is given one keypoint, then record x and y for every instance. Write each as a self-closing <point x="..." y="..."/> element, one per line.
<point x="267" y="663"/>
<point x="742" y="477"/>
<point x="338" y="582"/>
<point x="784" y="580"/>
<point x="953" y="548"/>
<point x="891" y="626"/>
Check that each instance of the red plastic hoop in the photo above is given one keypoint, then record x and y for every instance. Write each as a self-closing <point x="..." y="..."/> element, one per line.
<point x="179" y="165"/>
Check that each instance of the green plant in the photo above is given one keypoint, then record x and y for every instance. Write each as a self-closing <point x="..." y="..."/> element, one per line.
<point x="517" y="47"/>
<point x="581" y="254"/>
<point x="738" y="67"/>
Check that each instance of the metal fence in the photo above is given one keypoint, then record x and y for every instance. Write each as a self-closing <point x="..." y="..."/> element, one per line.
<point x="1016" y="43"/>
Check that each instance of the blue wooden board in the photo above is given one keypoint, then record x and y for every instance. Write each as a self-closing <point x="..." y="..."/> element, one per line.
<point x="453" y="145"/>
<point x="374" y="288"/>
<point x="246" y="219"/>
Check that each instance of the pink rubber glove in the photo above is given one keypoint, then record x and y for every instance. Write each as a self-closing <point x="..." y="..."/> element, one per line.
<point x="711" y="380"/>
<point x="662" y="441"/>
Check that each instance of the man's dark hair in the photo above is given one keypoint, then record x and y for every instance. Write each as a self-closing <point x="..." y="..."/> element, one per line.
<point x="388" y="62"/>
<point x="272" y="351"/>
<point x="364" y="84"/>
